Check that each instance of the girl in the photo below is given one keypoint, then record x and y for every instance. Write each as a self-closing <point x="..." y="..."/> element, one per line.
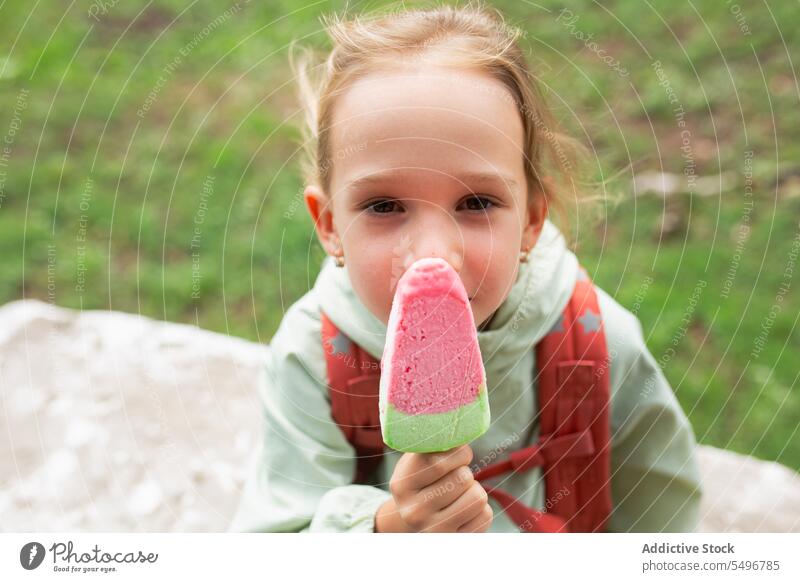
<point x="428" y="137"/>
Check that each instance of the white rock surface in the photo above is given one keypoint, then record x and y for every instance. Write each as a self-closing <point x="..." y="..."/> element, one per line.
<point x="744" y="494"/>
<point x="116" y="422"/>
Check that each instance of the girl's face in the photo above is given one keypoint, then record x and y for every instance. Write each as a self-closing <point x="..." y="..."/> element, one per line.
<point x="427" y="164"/>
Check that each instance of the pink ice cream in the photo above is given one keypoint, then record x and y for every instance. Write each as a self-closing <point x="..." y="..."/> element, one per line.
<point x="433" y="390"/>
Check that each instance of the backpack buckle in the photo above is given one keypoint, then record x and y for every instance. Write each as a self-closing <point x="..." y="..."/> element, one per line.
<point x="576" y="444"/>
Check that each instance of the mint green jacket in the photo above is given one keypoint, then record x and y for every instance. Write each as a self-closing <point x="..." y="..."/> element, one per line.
<point x="300" y="475"/>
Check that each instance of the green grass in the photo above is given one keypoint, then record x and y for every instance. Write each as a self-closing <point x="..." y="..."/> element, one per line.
<point x="224" y="111"/>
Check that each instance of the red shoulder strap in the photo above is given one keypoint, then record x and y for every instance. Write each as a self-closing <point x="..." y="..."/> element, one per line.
<point x="353" y="385"/>
<point x="574" y="398"/>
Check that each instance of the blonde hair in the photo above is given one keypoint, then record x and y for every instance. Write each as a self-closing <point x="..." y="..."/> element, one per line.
<point x="470" y="35"/>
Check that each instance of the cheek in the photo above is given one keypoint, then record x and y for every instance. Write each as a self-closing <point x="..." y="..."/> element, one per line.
<point x="369" y="264"/>
<point x="491" y="263"/>
<point x="371" y="270"/>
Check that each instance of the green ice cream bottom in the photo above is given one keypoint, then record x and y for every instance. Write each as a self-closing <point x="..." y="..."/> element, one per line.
<point x="440" y="431"/>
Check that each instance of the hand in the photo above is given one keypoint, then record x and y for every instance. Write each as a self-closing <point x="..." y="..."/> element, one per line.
<point x="435" y="492"/>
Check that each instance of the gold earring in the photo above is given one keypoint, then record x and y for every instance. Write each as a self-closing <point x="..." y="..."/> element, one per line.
<point x="339" y="260"/>
<point x="523" y="255"/>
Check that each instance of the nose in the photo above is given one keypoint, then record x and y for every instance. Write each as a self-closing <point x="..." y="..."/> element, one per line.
<point x="437" y="236"/>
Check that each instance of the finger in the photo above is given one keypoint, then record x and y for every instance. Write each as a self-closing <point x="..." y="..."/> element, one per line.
<point x="480" y="523"/>
<point x="447" y="489"/>
<point x="463" y="509"/>
<point x="427" y="468"/>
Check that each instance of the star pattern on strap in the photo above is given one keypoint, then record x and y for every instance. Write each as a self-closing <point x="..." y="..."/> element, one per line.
<point x="340" y="344"/>
<point x="590" y="321"/>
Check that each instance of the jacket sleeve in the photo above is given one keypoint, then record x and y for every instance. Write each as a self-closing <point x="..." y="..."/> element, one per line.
<point x="655" y="481"/>
<point x="300" y="474"/>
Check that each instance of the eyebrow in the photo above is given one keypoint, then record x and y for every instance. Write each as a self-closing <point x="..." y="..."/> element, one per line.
<point x="469" y="177"/>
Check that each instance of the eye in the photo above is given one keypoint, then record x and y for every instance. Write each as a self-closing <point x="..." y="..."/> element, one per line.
<point x="478" y="203"/>
<point x="381" y="206"/>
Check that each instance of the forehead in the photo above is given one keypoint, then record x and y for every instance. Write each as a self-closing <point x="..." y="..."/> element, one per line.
<point x="439" y="120"/>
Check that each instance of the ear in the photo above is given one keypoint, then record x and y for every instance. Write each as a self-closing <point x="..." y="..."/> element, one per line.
<point x="536" y="215"/>
<point x="319" y="207"/>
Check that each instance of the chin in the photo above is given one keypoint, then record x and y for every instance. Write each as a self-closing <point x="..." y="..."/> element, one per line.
<point x="479" y="321"/>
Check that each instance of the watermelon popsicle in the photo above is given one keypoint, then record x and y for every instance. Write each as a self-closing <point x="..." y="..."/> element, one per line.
<point x="433" y="385"/>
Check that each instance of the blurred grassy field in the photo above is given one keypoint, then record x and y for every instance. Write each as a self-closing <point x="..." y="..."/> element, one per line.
<point x="150" y="166"/>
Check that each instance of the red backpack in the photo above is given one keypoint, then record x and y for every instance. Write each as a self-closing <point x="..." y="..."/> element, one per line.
<point x="573" y="399"/>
